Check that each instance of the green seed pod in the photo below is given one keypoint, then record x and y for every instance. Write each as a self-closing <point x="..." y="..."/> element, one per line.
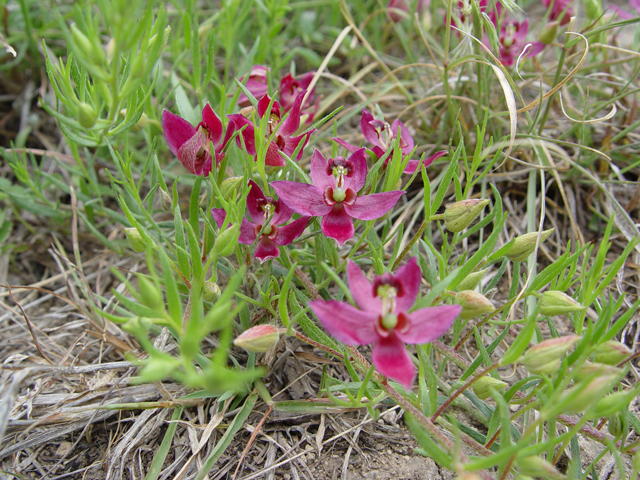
<point x="150" y="294"/>
<point x="482" y="387"/>
<point x="136" y="242"/>
<point x="614" y="403"/>
<point x="260" y="338"/>
<point x="87" y="115"/>
<point x="579" y="398"/>
<point x="548" y="33"/>
<point x="226" y="241"/>
<point x="473" y="304"/>
<point x="589" y="370"/>
<point x="545" y="358"/>
<point x="612" y="353"/>
<point x="459" y="215"/>
<point x="525" y="245"/>
<point x="558" y="303"/>
<point x="211" y="291"/>
<point x="614" y="424"/>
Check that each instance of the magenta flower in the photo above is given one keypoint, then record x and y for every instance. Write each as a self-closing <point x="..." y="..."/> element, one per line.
<point x="383" y="318"/>
<point x="284" y="140"/>
<point x="559" y="10"/>
<point x="268" y="216"/>
<point x="256" y="84"/>
<point x="192" y="145"/>
<point x="290" y="88"/>
<point x="511" y="39"/>
<point x="381" y="136"/>
<point x="334" y="195"/>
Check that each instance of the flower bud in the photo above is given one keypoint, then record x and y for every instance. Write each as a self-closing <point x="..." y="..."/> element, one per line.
<point x="612" y="404"/>
<point x="471" y="281"/>
<point x="525" y="245"/>
<point x="226" y="241"/>
<point x="165" y="200"/>
<point x="537" y="467"/>
<point x="211" y="291"/>
<point x="459" y="215"/>
<point x="229" y="187"/>
<point x="150" y="294"/>
<point x="545" y="357"/>
<point x="473" y="304"/>
<point x="548" y="33"/>
<point x="260" y="338"/>
<point x="554" y="303"/>
<point x="580" y="397"/>
<point x="482" y="387"/>
<point x="614" y="424"/>
<point x="136" y="242"/>
<point x="86" y="115"/>
<point x="589" y="370"/>
<point x="593" y="9"/>
<point x="612" y="352"/>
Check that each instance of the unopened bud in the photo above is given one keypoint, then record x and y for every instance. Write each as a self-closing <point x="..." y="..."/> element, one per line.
<point x="136" y="242"/>
<point x="226" y="241"/>
<point x="81" y="41"/>
<point x="545" y="357"/>
<point x="614" y="424"/>
<point x="537" y="467"/>
<point x="166" y="200"/>
<point x="525" y="245"/>
<point x="548" y="33"/>
<point x="150" y="294"/>
<point x="471" y="281"/>
<point x="211" y="291"/>
<point x="612" y="352"/>
<point x="86" y="115"/>
<point x="482" y="387"/>
<point x="554" y="303"/>
<point x="589" y="370"/>
<point x="580" y="397"/>
<point x="593" y="9"/>
<point x="260" y="338"/>
<point x="459" y="215"/>
<point x="612" y="404"/>
<point x="473" y="304"/>
<point x="229" y="187"/>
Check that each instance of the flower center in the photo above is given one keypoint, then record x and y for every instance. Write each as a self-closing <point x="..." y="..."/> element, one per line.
<point x="339" y="194"/>
<point x="387" y="294"/>
<point x="389" y="321"/>
<point x="267" y="230"/>
<point x="272" y="124"/>
<point x="510" y="32"/>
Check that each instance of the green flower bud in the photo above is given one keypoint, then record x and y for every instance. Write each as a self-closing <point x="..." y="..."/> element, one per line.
<point x="150" y="294"/>
<point x="459" y="215"/>
<point x="614" y="424"/>
<point x="260" y="338"/>
<point x="482" y="387"/>
<point x="471" y="281"/>
<point x="230" y="186"/>
<point x="81" y="41"/>
<point x="136" y="242"/>
<point x="589" y="370"/>
<point x="548" y="33"/>
<point x="473" y="304"/>
<point x="545" y="357"/>
<point x="525" y="245"/>
<point x="554" y="303"/>
<point x="86" y="115"/>
<point x="593" y="9"/>
<point x="211" y="291"/>
<point x="579" y="398"/>
<point x="614" y="403"/>
<point x="537" y="467"/>
<point x="166" y="200"/>
<point x="226" y="241"/>
<point x="612" y="352"/>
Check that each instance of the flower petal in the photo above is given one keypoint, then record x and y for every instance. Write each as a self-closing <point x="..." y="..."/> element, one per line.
<point x="370" y="207"/>
<point x="350" y="148"/>
<point x="392" y="360"/>
<point x="256" y="84"/>
<point x="188" y="154"/>
<point x="231" y="129"/>
<point x="319" y="174"/>
<point x="176" y="130"/>
<point x="369" y="132"/>
<point x="255" y="201"/>
<point x="263" y="104"/>
<point x="247" y="229"/>
<point x="266" y="249"/>
<point x="248" y="134"/>
<point x="213" y="123"/>
<point x="361" y="289"/>
<point x="289" y="233"/>
<point x="291" y="143"/>
<point x="536" y="48"/>
<point x="338" y="224"/>
<point x="409" y="277"/>
<point x="292" y="122"/>
<point x="359" y="175"/>
<point x="427" y="324"/>
<point x="404" y="134"/>
<point x="273" y="157"/>
<point x="348" y="324"/>
<point x="302" y="198"/>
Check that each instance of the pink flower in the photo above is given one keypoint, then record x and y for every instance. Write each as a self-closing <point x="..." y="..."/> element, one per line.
<point x="383" y="318"/>
<point x="511" y="39"/>
<point x="382" y="136"/>
<point x="284" y="141"/>
<point x="559" y="11"/>
<point x="256" y="84"/>
<point x="334" y="195"/>
<point x="290" y="88"/>
<point x="268" y="216"/>
<point x="192" y="145"/>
